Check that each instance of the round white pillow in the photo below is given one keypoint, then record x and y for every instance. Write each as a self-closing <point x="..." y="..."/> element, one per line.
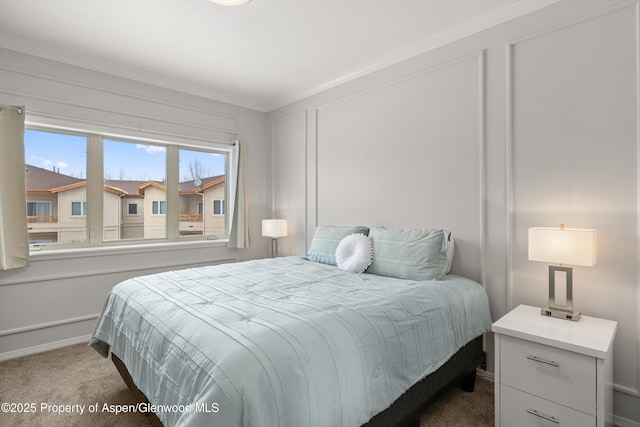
<point x="354" y="253"/>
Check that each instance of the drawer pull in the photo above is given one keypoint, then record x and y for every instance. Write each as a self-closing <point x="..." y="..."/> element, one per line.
<point x="546" y="362"/>
<point x="546" y="417"/>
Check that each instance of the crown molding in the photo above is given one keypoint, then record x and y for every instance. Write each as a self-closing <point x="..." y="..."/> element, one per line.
<point x="501" y="16"/>
<point x="67" y="57"/>
<point x="52" y="53"/>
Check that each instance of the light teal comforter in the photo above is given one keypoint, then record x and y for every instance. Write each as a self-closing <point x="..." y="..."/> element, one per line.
<point x="285" y="341"/>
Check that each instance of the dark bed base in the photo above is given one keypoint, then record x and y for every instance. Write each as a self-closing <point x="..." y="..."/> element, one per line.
<point x="138" y="395"/>
<point x="460" y="369"/>
<point x="404" y="412"/>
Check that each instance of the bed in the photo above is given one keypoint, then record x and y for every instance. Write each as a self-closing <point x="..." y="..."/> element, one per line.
<point x="292" y="341"/>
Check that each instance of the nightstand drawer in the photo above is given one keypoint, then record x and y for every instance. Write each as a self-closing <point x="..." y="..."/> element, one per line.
<point x="557" y="375"/>
<point x="523" y="410"/>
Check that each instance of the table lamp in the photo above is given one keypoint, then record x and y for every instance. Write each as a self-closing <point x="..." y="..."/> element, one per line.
<point x="562" y="246"/>
<point x="274" y="228"/>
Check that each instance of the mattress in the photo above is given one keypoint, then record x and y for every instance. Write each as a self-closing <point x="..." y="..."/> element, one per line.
<point x="284" y="341"/>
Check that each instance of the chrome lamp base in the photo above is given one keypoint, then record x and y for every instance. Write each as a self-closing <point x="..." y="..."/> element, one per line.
<point x="561" y="313"/>
<point x="565" y="312"/>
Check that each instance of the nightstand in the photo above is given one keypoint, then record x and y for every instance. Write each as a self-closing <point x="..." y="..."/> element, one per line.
<point x="553" y="372"/>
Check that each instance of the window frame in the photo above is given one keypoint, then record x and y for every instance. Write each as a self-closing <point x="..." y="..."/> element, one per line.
<point x="37" y="202"/>
<point x="83" y="209"/>
<point x="159" y="204"/>
<point x="94" y="189"/>
<point x="223" y="207"/>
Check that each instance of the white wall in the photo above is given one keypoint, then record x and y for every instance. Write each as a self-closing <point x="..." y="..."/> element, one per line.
<point x="56" y="300"/>
<point x="534" y="122"/>
<point x="531" y="123"/>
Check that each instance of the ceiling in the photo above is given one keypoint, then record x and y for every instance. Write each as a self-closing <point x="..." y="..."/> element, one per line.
<point x="262" y="55"/>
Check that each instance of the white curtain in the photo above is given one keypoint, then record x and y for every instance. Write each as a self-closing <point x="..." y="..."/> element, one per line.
<point x="239" y="226"/>
<point x="14" y="238"/>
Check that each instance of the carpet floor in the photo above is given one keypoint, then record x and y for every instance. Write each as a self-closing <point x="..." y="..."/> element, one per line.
<point x="50" y="389"/>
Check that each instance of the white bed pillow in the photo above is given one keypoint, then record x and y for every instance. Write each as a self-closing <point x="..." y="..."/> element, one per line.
<point x="354" y="253"/>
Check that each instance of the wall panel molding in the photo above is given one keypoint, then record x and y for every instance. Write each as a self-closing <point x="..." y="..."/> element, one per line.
<point x="48" y="325"/>
<point x="289" y="139"/>
<point x="222" y="122"/>
<point x="478" y="54"/>
<point x="451" y="36"/>
<point x="475" y="59"/>
<point x="572" y="22"/>
<point x="633" y="9"/>
<point x="274" y="124"/>
<point x="109" y="120"/>
<point x="116" y="268"/>
<point x="636" y="392"/>
<point x="482" y="181"/>
<point x="40" y="348"/>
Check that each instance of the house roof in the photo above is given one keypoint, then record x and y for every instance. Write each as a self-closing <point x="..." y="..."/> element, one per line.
<point x="43" y="180"/>
<point x="205" y="183"/>
<point x="129" y="187"/>
<point x="147" y="184"/>
<point x="39" y="180"/>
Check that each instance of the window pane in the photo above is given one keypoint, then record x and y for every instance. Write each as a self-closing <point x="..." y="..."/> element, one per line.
<point x="55" y="175"/>
<point x="202" y="180"/>
<point x="134" y="175"/>
<point x="159" y="207"/>
<point x="218" y="207"/>
<point x="76" y="208"/>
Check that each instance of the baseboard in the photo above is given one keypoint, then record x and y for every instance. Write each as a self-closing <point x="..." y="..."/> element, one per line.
<point x="486" y="375"/>
<point x="44" y="347"/>
<point x="623" y="422"/>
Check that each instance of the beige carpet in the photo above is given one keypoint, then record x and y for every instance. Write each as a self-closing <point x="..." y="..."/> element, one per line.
<point x="57" y="383"/>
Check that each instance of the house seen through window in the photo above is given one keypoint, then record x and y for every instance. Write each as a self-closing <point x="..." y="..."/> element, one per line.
<point x="202" y="182"/>
<point x="134" y="190"/>
<point x="55" y="183"/>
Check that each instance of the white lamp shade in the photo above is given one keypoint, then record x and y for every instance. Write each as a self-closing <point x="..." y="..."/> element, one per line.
<point x="563" y="246"/>
<point x="274" y="227"/>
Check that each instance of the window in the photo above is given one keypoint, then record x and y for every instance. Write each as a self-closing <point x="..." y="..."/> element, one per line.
<point x="39" y="212"/>
<point x="202" y="183"/>
<point x="78" y="208"/>
<point x="159" y="207"/>
<point x="133" y="171"/>
<point x="55" y="181"/>
<point x="218" y="207"/>
<point x="130" y="194"/>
